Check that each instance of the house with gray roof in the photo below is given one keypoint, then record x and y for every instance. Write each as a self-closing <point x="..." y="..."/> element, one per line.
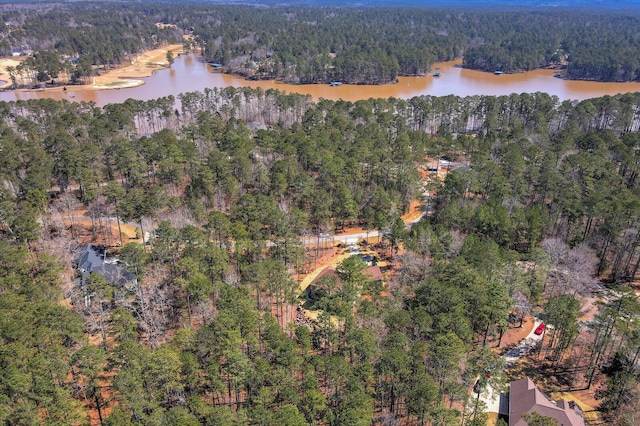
<point x="93" y="259"/>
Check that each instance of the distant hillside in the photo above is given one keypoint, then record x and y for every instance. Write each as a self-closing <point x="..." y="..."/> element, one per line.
<point x="622" y="5"/>
<point x="602" y="5"/>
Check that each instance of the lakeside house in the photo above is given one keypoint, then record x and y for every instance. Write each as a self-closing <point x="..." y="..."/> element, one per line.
<point x="525" y="397"/>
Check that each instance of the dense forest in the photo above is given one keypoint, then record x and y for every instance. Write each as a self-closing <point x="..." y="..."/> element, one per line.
<point x="543" y="210"/>
<point x="320" y="45"/>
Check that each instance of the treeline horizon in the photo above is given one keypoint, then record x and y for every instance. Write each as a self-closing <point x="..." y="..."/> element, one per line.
<point x="309" y="45"/>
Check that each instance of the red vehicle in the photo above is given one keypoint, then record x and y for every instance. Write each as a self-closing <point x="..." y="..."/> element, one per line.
<point x="540" y="329"/>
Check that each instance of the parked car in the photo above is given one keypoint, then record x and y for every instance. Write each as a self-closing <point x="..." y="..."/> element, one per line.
<point x="540" y="329"/>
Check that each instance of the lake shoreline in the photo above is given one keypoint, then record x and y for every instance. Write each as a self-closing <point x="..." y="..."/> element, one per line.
<point x="148" y="63"/>
<point x="150" y="77"/>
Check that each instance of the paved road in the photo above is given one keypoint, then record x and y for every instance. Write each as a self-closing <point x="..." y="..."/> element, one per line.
<point x="324" y="240"/>
<point x="350" y="239"/>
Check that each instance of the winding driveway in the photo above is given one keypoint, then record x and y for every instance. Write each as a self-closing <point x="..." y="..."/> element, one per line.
<point x="489" y="396"/>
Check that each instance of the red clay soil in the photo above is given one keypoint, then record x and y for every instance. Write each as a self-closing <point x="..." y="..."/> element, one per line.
<point x="513" y="335"/>
<point x="415" y="211"/>
<point x="83" y="227"/>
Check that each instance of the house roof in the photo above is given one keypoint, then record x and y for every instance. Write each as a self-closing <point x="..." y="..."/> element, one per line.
<point x="255" y="126"/>
<point x="525" y="397"/>
<point x="372" y="272"/>
<point x="93" y="260"/>
<point x="90" y="259"/>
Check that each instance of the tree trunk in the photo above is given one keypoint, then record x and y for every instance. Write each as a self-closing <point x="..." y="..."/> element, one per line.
<point x="115" y="202"/>
<point x="189" y="309"/>
<point x="142" y="232"/>
<point x="103" y="332"/>
<point x="500" y="338"/>
<point x="96" y="397"/>
<point x="486" y="335"/>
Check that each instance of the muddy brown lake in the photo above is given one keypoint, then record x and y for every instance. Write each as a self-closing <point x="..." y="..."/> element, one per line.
<point x="189" y="74"/>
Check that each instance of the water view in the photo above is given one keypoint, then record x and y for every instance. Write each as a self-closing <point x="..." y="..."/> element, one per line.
<point x="189" y="74"/>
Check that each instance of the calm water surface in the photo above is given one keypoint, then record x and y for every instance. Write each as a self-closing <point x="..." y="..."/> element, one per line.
<point x="188" y="74"/>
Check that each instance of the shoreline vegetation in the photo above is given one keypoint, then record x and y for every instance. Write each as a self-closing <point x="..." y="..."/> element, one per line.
<point x="128" y="76"/>
<point x="124" y="77"/>
<point x="147" y="63"/>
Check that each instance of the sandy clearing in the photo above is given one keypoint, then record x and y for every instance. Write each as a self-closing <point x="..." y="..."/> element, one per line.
<point x="4" y="63"/>
<point x="144" y="65"/>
